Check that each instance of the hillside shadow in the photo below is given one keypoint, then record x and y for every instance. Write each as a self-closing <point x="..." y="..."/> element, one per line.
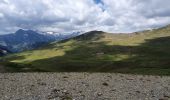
<point x="150" y="57"/>
<point x="92" y="35"/>
<point x="88" y="36"/>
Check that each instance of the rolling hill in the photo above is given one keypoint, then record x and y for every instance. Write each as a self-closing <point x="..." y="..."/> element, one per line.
<point x="146" y="52"/>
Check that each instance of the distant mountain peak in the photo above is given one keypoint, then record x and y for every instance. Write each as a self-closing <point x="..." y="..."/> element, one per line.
<point x="20" y="30"/>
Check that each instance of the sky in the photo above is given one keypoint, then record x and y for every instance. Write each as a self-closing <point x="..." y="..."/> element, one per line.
<point x="115" y="16"/>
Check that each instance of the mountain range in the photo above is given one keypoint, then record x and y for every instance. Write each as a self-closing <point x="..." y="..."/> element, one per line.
<point x="28" y="39"/>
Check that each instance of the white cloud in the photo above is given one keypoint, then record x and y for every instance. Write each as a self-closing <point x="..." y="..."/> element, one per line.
<point x="67" y="15"/>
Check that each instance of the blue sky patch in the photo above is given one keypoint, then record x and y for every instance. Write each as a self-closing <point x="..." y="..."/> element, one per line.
<point x="98" y="2"/>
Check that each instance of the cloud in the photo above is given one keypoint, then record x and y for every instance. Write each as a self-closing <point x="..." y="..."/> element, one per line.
<point x="67" y="15"/>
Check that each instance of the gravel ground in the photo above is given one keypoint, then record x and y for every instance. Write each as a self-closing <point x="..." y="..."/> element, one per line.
<point x="83" y="86"/>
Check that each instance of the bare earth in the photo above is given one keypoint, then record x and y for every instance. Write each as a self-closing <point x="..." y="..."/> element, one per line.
<point x="2" y="69"/>
<point x="83" y="86"/>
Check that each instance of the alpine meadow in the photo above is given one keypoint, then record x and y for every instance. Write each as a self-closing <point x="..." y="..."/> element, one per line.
<point x="145" y="52"/>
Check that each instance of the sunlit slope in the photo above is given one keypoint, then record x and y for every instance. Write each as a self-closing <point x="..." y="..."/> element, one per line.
<point x="146" y="52"/>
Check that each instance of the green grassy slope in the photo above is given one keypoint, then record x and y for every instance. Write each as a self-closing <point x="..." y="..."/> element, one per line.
<point x="145" y="52"/>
